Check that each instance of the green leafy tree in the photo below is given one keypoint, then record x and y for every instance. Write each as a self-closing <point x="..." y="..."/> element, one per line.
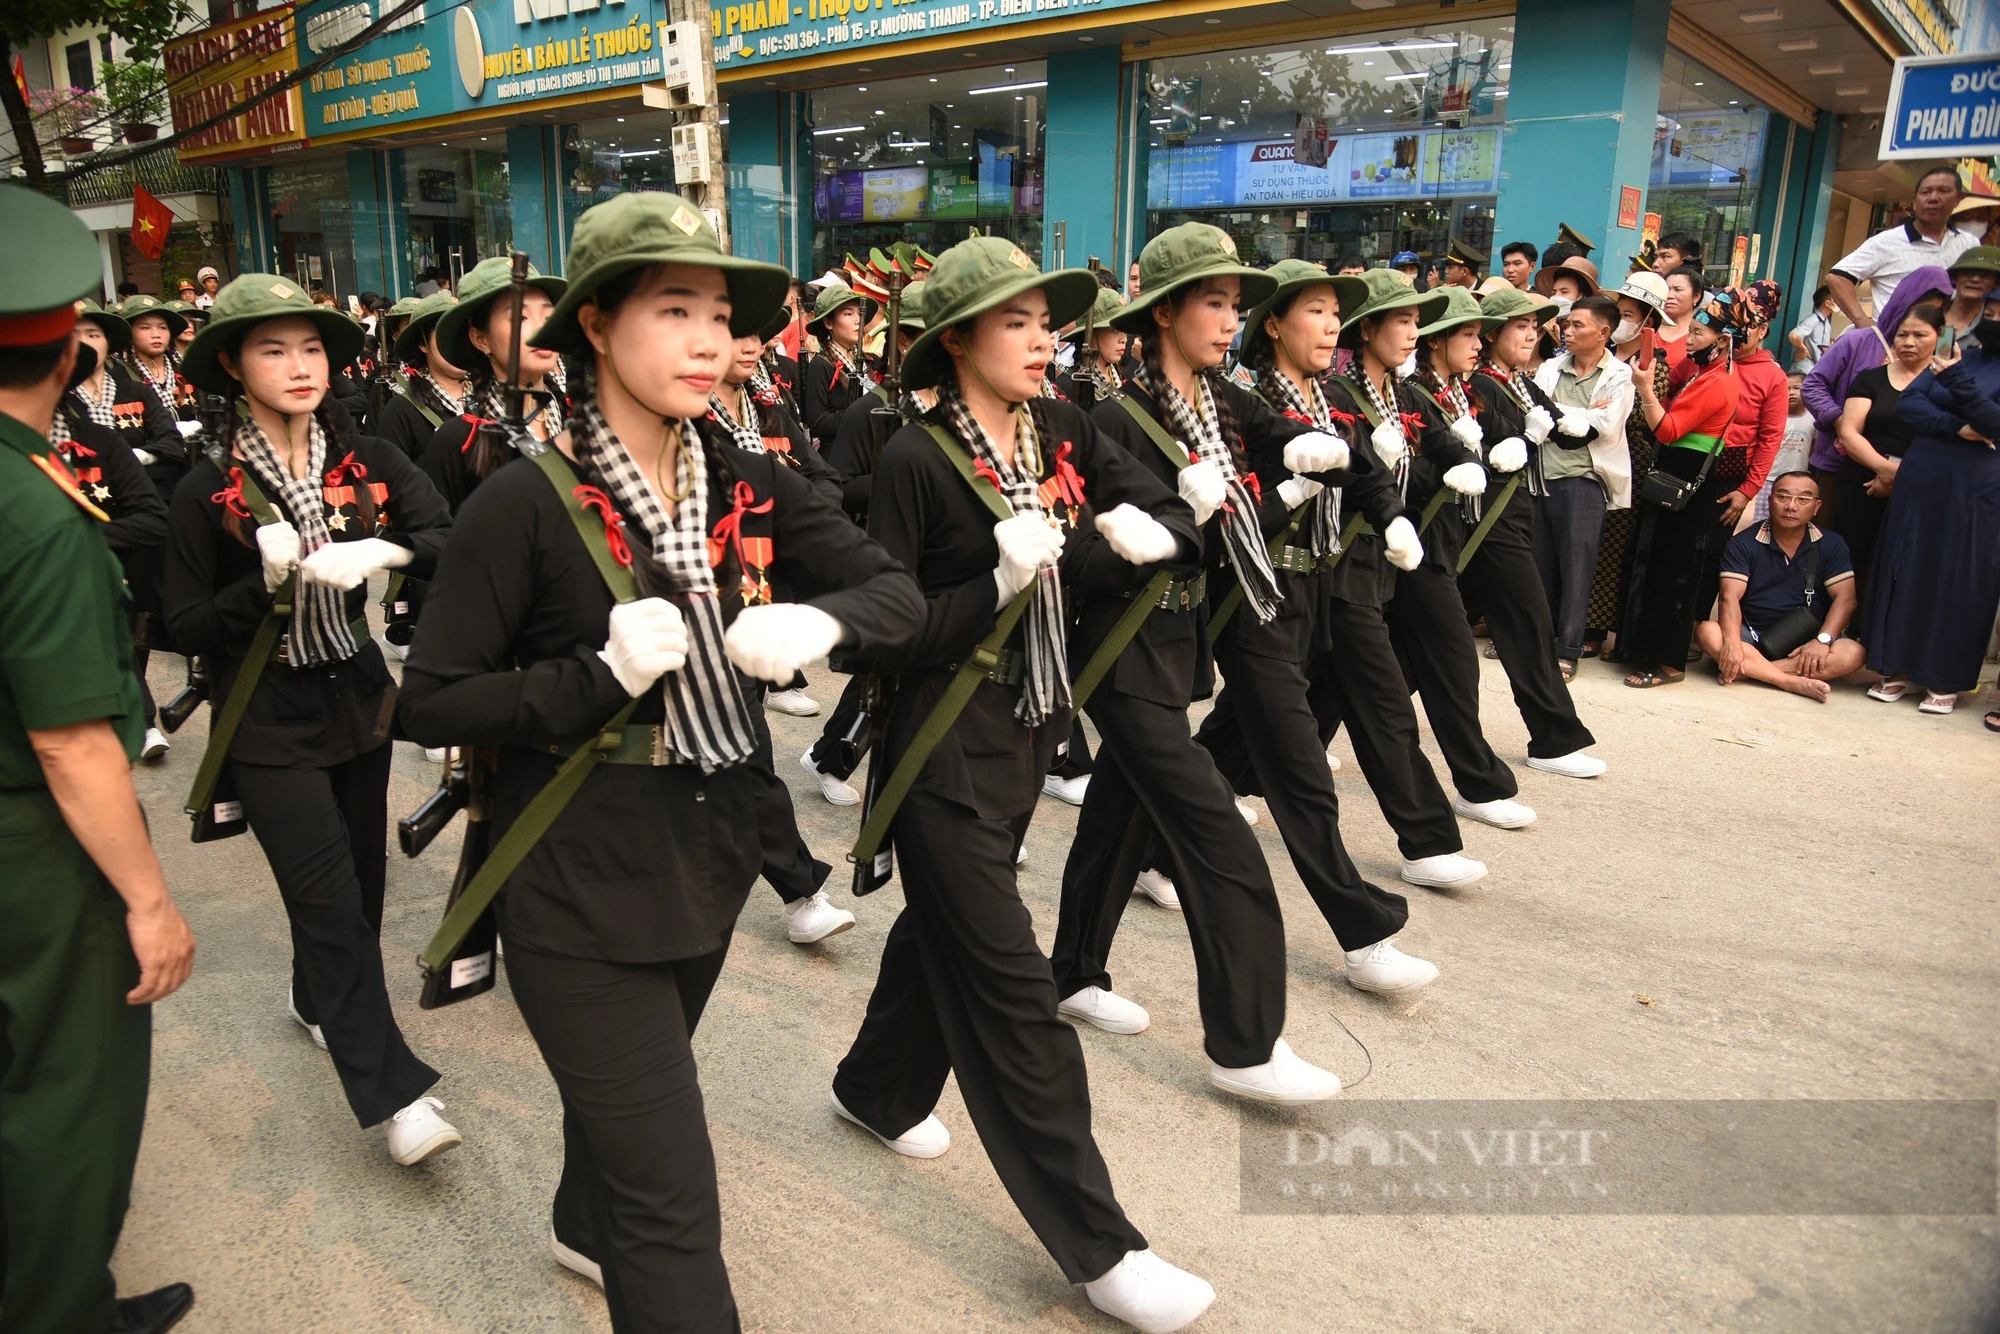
<point x="144" y="24"/>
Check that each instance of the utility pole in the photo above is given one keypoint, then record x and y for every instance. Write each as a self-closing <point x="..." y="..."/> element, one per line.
<point x="688" y="90"/>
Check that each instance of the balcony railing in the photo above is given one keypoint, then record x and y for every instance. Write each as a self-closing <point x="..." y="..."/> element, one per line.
<point x="158" y="172"/>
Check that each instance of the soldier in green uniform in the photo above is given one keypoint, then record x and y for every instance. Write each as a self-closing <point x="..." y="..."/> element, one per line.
<point x="89" y="937"/>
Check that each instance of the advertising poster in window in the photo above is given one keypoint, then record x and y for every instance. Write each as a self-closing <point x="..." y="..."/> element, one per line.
<point x="955" y="192"/>
<point x="898" y="195"/>
<point x="1461" y="162"/>
<point x="1383" y="166"/>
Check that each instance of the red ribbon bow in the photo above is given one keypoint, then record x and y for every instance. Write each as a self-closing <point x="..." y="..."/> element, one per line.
<point x="347" y="470"/>
<point x="1256" y="487"/>
<point x="231" y="496"/>
<point x="751" y="552"/>
<point x="1298" y="416"/>
<point x="1067" y="484"/>
<point x="475" y="421"/>
<point x="981" y="468"/>
<point x="614" y="523"/>
<point x="78" y="447"/>
<point x="1344" y="418"/>
<point x="1413" y="423"/>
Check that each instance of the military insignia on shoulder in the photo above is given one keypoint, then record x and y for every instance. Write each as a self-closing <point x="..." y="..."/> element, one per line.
<point x="66" y="482"/>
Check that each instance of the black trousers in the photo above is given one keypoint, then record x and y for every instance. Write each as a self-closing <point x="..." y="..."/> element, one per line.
<point x="1505" y="581"/>
<point x="1262" y="713"/>
<point x="1433" y="641"/>
<point x="826" y="750"/>
<point x="638" y="1192"/>
<point x="324" y="833"/>
<point x="789" y="866"/>
<point x="965" y="990"/>
<point x="1669" y="557"/>
<point x="1074" y="760"/>
<point x="1150" y="776"/>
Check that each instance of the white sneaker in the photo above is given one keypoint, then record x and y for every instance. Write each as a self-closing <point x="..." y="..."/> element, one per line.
<point x="1106" y="1009"/>
<point x="928" y="1138"/>
<point x="1149" y="1294"/>
<point x="1021" y="854"/>
<point x="795" y="702"/>
<point x="1284" y="1079"/>
<point x="1333" y="761"/>
<point x="1386" y="970"/>
<point x="1069" y="790"/>
<point x="575" y="1261"/>
<point x="836" y="790"/>
<point x="1446" y="870"/>
<point x="418" y="1132"/>
<point x="312" y="1030"/>
<point x="1576" y="764"/>
<point x="1502" y="814"/>
<point x="394" y="651"/>
<point x="155" y="744"/>
<point x="813" y="918"/>
<point x="1157" y="887"/>
<point x="1248" y="812"/>
<point x="436" y="754"/>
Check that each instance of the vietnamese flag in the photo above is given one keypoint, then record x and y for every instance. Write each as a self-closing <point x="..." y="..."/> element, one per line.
<point x="150" y="221"/>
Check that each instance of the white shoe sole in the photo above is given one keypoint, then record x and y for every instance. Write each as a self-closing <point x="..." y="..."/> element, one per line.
<point x="1379" y="990"/>
<point x="1148" y="895"/>
<point x="1433" y="882"/>
<point x="442" y="1142"/>
<point x="833" y="799"/>
<point x="575" y="1261"/>
<point x="812" y="938"/>
<point x="1544" y="766"/>
<point x="1122" y="1027"/>
<point x="1464" y="809"/>
<point x="154" y="749"/>
<point x="1257" y="1093"/>
<point x="318" y="1038"/>
<point x="886" y="1142"/>
<point x="792" y="709"/>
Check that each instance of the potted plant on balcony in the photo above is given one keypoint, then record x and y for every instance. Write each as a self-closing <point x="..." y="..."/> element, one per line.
<point x="70" y="112"/>
<point x="137" y="91"/>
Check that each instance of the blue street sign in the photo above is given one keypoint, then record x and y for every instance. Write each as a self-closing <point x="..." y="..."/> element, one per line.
<point x="1943" y="107"/>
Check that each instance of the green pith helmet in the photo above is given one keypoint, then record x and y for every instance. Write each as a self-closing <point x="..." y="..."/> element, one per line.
<point x="404" y="306"/>
<point x="249" y="301"/>
<point x="485" y="283"/>
<point x="135" y="306"/>
<point x="1979" y="259"/>
<point x="117" y="333"/>
<point x="1461" y="308"/>
<point x="910" y="307"/>
<point x="834" y="297"/>
<point x="424" y="314"/>
<point x="638" y="231"/>
<point x="1184" y="255"/>
<point x="1103" y="309"/>
<point x="1510" y="304"/>
<point x="1295" y="276"/>
<point x="1387" y="292"/>
<point x="974" y="276"/>
<point x="189" y="311"/>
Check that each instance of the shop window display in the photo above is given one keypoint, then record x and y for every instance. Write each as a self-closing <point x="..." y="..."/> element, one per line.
<point x="1359" y="145"/>
<point x="312" y="225"/>
<point x="1708" y="160"/>
<point x="455" y="203"/>
<point x="614" y="155"/>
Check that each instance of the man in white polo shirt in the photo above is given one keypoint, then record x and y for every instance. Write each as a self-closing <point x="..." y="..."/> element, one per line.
<point x="1927" y="238"/>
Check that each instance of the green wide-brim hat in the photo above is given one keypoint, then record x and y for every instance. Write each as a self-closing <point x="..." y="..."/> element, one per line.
<point x="1979" y="259"/>
<point x="188" y="311"/>
<point x="117" y="333"/>
<point x="424" y="315"/>
<point x="486" y="283"/>
<point x="910" y="307"/>
<point x="405" y="305"/>
<point x="1511" y="303"/>
<point x="1387" y="292"/>
<point x="636" y="231"/>
<point x="1461" y="308"/>
<point x="250" y="300"/>
<point x="1183" y="255"/>
<point x="1295" y="276"/>
<point x="834" y="297"/>
<point x="775" y="325"/>
<point x="973" y="277"/>
<point x="135" y="306"/>
<point x="1103" y="309"/>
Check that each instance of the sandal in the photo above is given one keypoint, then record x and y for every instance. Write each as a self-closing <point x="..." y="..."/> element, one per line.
<point x="1992" y="721"/>
<point x="1890" y="689"/>
<point x="1568" y="669"/>
<point x="1646" y="678"/>
<point x="1591" y="650"/>
<point x="1491" y="650"/>
<point x="1936" y="703"/>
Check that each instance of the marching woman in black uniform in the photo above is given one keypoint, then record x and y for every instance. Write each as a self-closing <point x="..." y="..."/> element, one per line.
<point x="432" y="390"/>
<point x="964" y="987"/>
<point x="839" y="372"/>
<point x="1100" y="351"/>
<point x="1517" y="417"/>
<point x="617" y="921"/>
<point x="1194" y="431"/>
<point x="156" y="329"/>
<point x="310" y="760"/>
<point x="475" y="335"/>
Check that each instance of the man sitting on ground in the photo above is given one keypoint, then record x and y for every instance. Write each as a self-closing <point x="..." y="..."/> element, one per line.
<point x="1783" y="566"/>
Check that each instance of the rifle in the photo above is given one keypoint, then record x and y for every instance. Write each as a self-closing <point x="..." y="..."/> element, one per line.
<point x="866" y="735"/>
<point x="470" y="971"/>
<point x="415" y="831"/>
<point x="182" y="706"/>
<point x="892" y="362"/>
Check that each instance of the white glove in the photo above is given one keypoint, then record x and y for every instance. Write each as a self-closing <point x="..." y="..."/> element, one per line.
<point x="1390" y="446"/>
<point x="1296" y="491"/>
<point x="772" y="642"/>
<point x="1468" y="479"/>
<point x="1315" y="451"/>
<point x="648" y="640"/>
<point x="278" y="544"/>
<point x="1572" y="421"/>
<point x="1204" y="488"/>
<point x="1137" y="536"/>
<point x="347" y="565"/>
<point x="188" y="430"/>
<point x="1400" y="544"/>
<point x="1539" y="424"/>
<point x="1027" y="542"/>
<point x="1510" y="455"/>
<point x="1469" y="432"/>
<point x="145" y="456"/>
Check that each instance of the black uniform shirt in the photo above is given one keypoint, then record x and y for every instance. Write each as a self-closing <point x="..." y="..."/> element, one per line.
<point x="1502" y="415"/>
<point x="1436" y="452"/>
<point x="864" y="431"/>
<point x="404" y="424"/>
<point x="828" y="390"/>
<point x="1364" y="577"/>
<point x="144" y="422"/>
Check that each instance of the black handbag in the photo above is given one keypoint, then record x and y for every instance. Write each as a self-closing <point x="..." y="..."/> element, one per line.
<point x="1783" y="638"/>
<point x="1671" y="493"/>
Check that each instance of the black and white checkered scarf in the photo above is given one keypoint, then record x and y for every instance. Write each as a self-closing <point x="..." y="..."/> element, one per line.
<point x="1323" y="524"/>
<point x="708" y="718"/>
<point x="1045" y="687"/>
<point x="318" y="632"/>
<point x="1200" y="434"/>
<point x="488" y="400"/>
<point x="1104" y="382"/>
<point x="748" y="432"/>
<point x="1523" y="390"/>
<point x="847" y="361"/>
<point x="423" y="389"/>
<point x="168" y="383"/>
<point x="1391" y="411"/>
<point x="101" y="410"/>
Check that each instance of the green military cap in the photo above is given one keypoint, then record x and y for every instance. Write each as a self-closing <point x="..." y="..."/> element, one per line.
<point x="1386" y="292"/>
<point x="1461" y="307"/>
<point x="1108" y="302"/>
<point x="831" y="298"/>
<point x="424" y="315"/>
<point x="1295" y="276"/>
<point x="1568" y="235"/>
<point x="1180" y="257"/>
<point x="135" y="306"/>
<point x="637" y="231"/>
<point x="58" y="263"/>
<point x="775" y="325"/>
<point x="249" y="301"/>
<point x="485" y="283"/>
<point x="1979" y="259"/>
<point x="1466" y="256"/>
<point x="974" y="276"/>
<point x="117" y="333"/>
<point x="1510" y="303"/>
<point x="189" y="311"/>
<point x="404" y="306"/>
<point x="910" y="307"/>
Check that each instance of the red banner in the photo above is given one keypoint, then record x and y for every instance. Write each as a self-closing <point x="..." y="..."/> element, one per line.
<point x="150" y="221"/>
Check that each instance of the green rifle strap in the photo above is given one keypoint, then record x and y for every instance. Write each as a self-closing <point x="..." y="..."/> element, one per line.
<point x="1234" y="597"/>
<point x="1144" y="603"/>
<point x="1362" y="399"/>
<point x="222" y="729"/>
<point x="392" y="592"/>
<point x="541" y="812"/>
<point x="1486" y="524"/>
<point x="962" y="460"/>
<point x="1357" y="527"/>
<point x="1431" y="510"/>
<point x="1154" y="431"/>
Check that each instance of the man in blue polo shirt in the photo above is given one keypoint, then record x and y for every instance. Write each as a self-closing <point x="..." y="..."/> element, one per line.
<point x="1775" y="578"/>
